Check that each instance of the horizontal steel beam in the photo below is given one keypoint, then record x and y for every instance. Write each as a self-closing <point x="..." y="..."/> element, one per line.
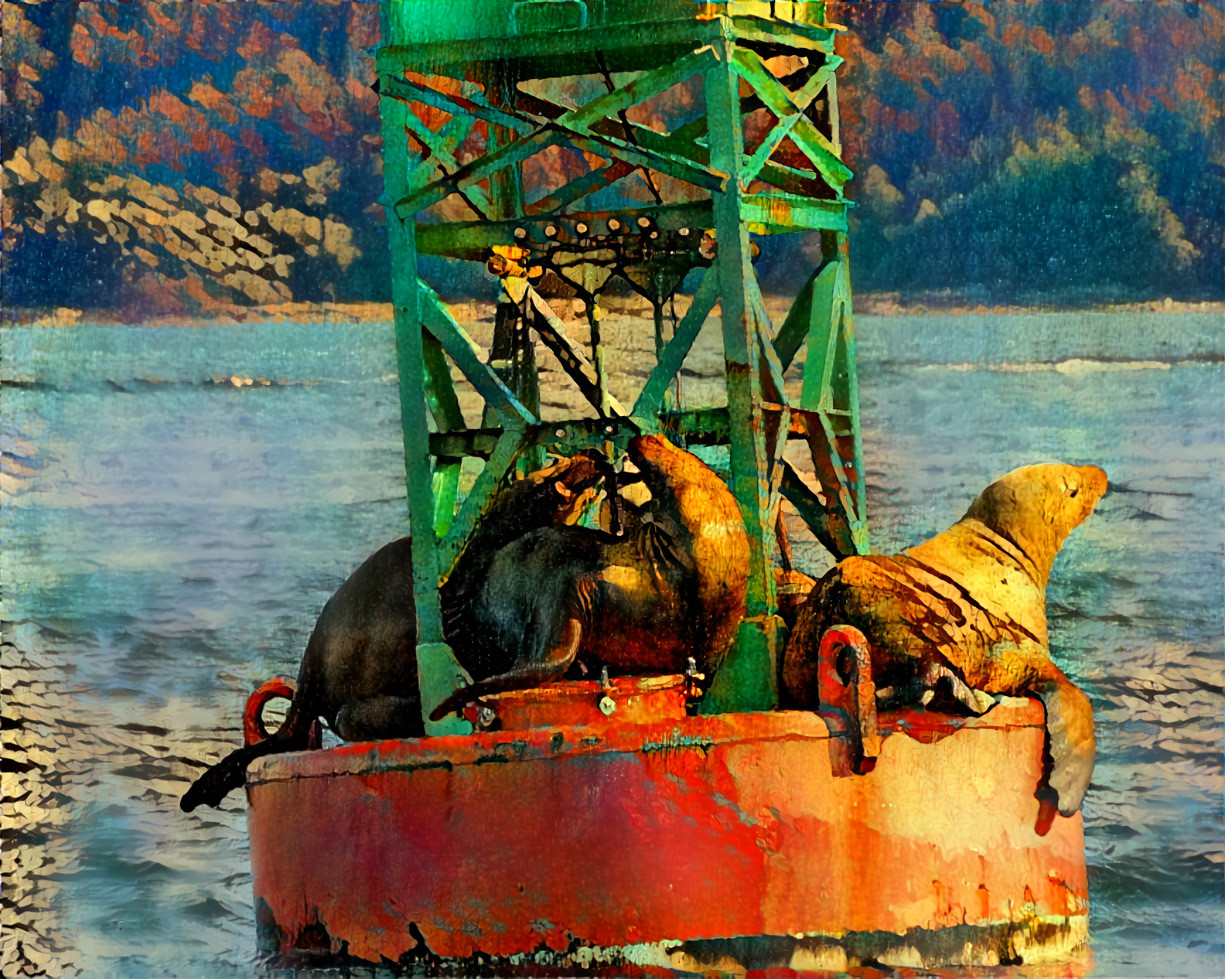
<point x="472" y="239"/>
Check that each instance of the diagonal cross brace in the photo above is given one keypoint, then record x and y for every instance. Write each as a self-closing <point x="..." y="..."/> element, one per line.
<point x="811" y="141"/>
<point x="436" y="142"/>
<point x="801" y="100"/>
<point x="462" y="349"/>
<point x="506" y="449"/>
<point x="580" y="123"/>
<point x="669" y="361"/>
<point x="572" y="359"/>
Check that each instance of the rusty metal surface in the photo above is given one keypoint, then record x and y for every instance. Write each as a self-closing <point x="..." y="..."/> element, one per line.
<point x="680" y="828"/>
<point x="254" y="729"/>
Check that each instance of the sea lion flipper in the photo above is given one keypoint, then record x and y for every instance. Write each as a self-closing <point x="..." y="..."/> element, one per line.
<point x="379" y="717"/>
<point x="939" y="681"/>
<point x="295" y="733"/>
<point x="228" y="774"/>
<point x="1070" y="739"/>
<point x="521" y="676"/>
<point x="217" y="782"/>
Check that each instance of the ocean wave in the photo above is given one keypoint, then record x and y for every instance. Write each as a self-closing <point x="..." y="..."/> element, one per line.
<point x="137" y="385"/>
<point x="1075" y="366"/>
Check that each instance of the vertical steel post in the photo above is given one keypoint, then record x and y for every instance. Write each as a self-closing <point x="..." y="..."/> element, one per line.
<point x="847" y="370"/>
<point x="437" y="671"/>
<point x="845" y="361"/>
<point x="747" y="680"/>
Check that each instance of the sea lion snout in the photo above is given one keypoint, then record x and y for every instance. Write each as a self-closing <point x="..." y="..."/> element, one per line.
<point x="650" y="448"/>
<point x="1096" y="483"/>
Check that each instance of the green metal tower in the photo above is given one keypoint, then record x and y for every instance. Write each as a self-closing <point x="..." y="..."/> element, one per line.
<point x="686" y="130"/>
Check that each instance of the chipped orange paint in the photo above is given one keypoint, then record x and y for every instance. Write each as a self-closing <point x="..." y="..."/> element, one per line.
<point x="647" y="825"/>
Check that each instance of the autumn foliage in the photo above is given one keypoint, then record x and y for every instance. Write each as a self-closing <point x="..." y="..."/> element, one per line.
<point x="176" y="158"/>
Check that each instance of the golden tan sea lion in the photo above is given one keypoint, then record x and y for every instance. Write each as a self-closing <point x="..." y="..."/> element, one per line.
<point x="963" y="614"/>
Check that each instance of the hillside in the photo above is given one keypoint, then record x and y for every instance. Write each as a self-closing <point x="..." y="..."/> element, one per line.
<point x="171" y="159"/>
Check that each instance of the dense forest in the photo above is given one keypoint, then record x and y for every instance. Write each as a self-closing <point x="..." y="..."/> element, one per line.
<point x="176" y="158"/>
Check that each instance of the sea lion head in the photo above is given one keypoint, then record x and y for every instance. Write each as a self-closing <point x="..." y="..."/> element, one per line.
<point x="651" y="448"/>
<point x="657" y="459"/>
<point x="1036" y="507"/>
<point x="549" y="497"/>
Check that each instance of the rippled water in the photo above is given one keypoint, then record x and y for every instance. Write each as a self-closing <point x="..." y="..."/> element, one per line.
<point x="170" y="534"/>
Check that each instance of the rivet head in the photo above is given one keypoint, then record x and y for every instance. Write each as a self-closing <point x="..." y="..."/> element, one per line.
<point x="607" y="706"/>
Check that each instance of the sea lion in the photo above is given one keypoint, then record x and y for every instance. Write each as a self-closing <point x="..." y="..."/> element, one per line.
<point x="357" y="672"/>
<point x="963" y="614"/>
<point x="359" y="669"/>
<point x="792" y="589"/>
<point x="672" y="586"/>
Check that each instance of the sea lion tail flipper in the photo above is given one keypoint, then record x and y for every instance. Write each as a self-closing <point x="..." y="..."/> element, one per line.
<point x="219" y="780"/>
<point x="231" y="772"/>
<point x="521" y="676"/>
<point x="228" y="774"/>
<point x="1070" y="739"/>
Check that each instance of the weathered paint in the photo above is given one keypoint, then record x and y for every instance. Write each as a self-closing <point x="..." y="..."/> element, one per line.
<point x="438" y="672"/>
<point x="279" y="688"/>
<point x="646" y="825"/>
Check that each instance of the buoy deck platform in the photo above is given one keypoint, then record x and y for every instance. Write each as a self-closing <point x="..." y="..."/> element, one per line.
<point x="619" y="831"/>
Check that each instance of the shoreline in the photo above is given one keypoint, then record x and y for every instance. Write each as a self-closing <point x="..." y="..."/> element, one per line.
<point x="866" y="304"/>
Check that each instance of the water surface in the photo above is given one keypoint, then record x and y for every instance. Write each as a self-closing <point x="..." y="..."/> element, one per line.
<point x="171" y="532"/>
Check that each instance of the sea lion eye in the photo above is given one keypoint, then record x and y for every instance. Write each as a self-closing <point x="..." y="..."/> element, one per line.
<point x="1075" y="490"/>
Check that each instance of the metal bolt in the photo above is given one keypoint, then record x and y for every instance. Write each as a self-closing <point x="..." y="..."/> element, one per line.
<point x="485" y="717"/>
<point x="607" y="705"/>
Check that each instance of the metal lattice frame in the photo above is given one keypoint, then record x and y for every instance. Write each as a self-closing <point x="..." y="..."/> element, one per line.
<point x="462" y="79"/>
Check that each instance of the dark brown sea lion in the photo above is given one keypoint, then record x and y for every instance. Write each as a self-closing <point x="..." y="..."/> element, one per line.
<point x="671" y="587"/>
<point x="359" y="670"/>
<point x="357" y="673"/>
<point x="963" y="614"/>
